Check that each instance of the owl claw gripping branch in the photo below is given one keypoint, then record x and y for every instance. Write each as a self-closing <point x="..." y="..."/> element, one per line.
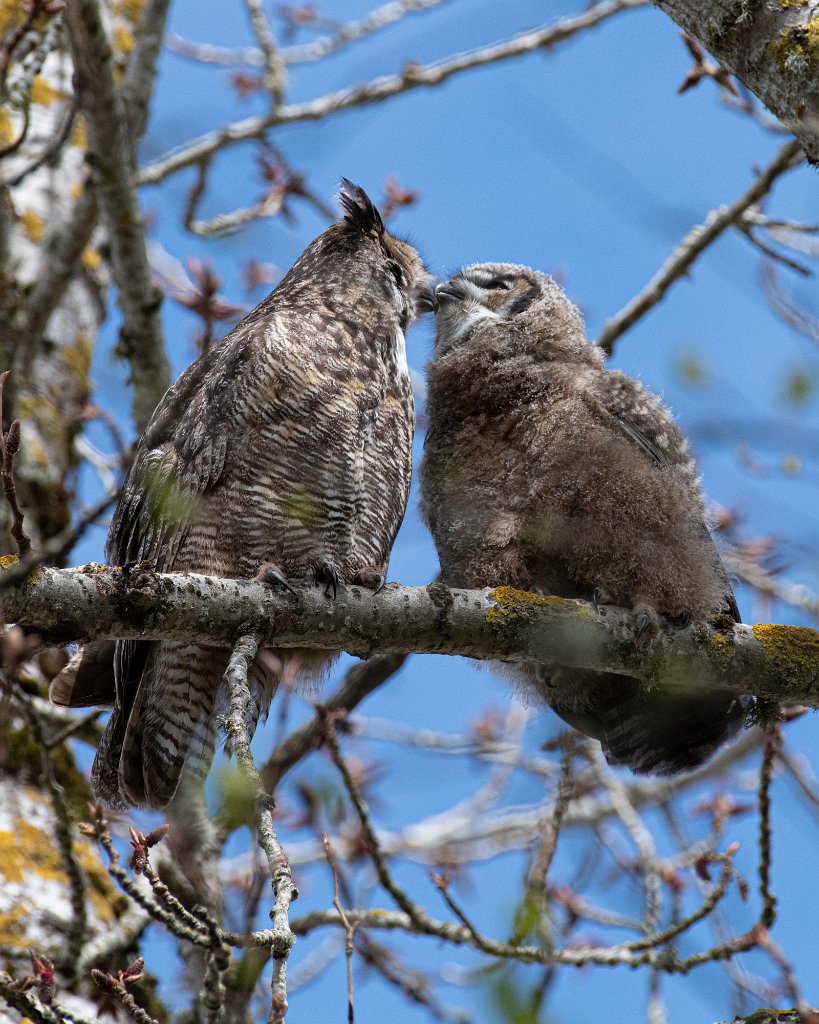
<point x="544" y="471"/>
<point x="288" y="444"/>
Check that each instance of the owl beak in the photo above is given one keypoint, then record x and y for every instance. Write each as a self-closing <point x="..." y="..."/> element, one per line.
<point x="426" y="301"/>
<point x="449" y="292"/>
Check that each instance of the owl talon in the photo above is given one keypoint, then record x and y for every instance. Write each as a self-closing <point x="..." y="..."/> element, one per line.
<point x="646" y="622"/>
<point x="273" y="575"/>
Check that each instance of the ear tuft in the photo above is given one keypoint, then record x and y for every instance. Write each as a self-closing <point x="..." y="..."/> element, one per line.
<point x="359" y="210"/>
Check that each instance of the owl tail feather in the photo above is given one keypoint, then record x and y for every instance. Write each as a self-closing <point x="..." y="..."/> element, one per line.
<point x="88" y="679"/>
<point x="648" y="730"/>
<point x="170" y="724"/>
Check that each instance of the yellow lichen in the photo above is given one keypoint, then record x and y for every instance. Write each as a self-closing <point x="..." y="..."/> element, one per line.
<point x="796" y="51"/>
<point x="91" y="258"/>
<point x="33" y="225"/>
<point x="513" y="604"/>
<point x="79" y="133"/>
<point x="77" y="357"/>
<point x="123" y="39"/>
<point x="11" y="13"/>
<point x="792" y="654"/>
<point x="42" y="92"/>
<point x="13" y="927"/>
<point x="7" y="561"/>
<point x="130" y="9"/>
<point x="6" y="129"/>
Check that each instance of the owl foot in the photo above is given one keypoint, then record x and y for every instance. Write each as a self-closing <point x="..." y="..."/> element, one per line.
<point x="646" y="622"/>
<point x="599" y="598"/>
<point x="270" y="573"/>
<point x="371" y="577"/>
<point x="326" y="573"/>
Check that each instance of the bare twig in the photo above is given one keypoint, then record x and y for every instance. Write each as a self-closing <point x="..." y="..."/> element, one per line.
<point x="282" y="938"/>
<point x="359" y="682"/>
<point x="57" y="547"/>
<point x="694" y="244"/>
<point x="64" y="834"/>
<point x="773" y="740"/>
<point x="379" y="89"/>
<point x="117" y="987"/>
<point x="349" y="929"/>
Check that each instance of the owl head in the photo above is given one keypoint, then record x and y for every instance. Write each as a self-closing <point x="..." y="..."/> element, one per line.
<point x="400" y="267"/>
<point x="523" y="307"/>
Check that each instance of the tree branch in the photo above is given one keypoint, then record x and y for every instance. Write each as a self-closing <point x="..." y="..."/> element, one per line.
<point x="770" y="47"/>
<point x="95" y="602"/>
<point x="412" y="77"/>
<point x="111" y="151"/>
<point x="693" y="245"/>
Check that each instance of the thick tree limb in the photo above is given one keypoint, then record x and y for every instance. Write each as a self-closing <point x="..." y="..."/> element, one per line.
<point x="93" y="602"/>
<point x="772" y="48"/>
<point x="112" y="154"/>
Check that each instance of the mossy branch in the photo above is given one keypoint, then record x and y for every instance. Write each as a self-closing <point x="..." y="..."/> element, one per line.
<point x="777" y="662"/>
<point x="772" y="48"/>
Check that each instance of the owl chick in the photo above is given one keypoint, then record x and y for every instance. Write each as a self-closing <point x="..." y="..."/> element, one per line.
<point x="284" y="451"/>
<point x="544" y="471"/>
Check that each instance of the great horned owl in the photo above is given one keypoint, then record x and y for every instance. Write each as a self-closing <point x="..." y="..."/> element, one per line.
<point x="286" y="447"/>
<point x="547" y="472"/>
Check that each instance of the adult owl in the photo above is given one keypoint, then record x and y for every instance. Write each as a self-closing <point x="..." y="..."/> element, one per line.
<point x="282" y="452"/>
<point x="544" y="471"/>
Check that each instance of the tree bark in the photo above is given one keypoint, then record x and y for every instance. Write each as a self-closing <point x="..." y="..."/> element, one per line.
<point x="771" y="46"/>
<point x="94" y="602"/>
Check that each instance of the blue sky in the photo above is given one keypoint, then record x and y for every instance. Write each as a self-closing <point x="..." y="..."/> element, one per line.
<point x="583" y="162"/>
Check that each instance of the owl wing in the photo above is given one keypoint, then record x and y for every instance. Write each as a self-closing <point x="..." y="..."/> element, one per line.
<point x="180" y="456"/>
<point x="641" y="418"/>
<point x="179" y="459"/>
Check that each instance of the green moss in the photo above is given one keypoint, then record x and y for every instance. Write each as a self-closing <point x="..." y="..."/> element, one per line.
<point x="793" y="655"/>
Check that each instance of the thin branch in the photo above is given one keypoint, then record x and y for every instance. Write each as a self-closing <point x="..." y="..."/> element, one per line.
<point x="353" y="31"/>
<point x="63" y="825"/>
<point x="282" y="938"/>
<point x="413" y="76"/>
<point x="770" y="751"/>
<point x="57" y="547"/>
<point x="349" y="929"/>
<point x="275" y="76"/>
<point x="694" y="244"/>
<point x="416" y="914"/>
<point x="359" y="682"/>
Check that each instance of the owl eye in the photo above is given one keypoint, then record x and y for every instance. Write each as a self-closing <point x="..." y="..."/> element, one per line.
<point x="397" y="272"/>
<point x="497" y="284"/>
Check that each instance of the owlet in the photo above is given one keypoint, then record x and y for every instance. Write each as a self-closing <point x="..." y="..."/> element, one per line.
<point x="544" y="471"/>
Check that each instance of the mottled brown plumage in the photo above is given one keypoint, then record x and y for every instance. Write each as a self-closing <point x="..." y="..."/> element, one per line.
<point x="286" y="445"/>
<point x="547" y="472"/>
